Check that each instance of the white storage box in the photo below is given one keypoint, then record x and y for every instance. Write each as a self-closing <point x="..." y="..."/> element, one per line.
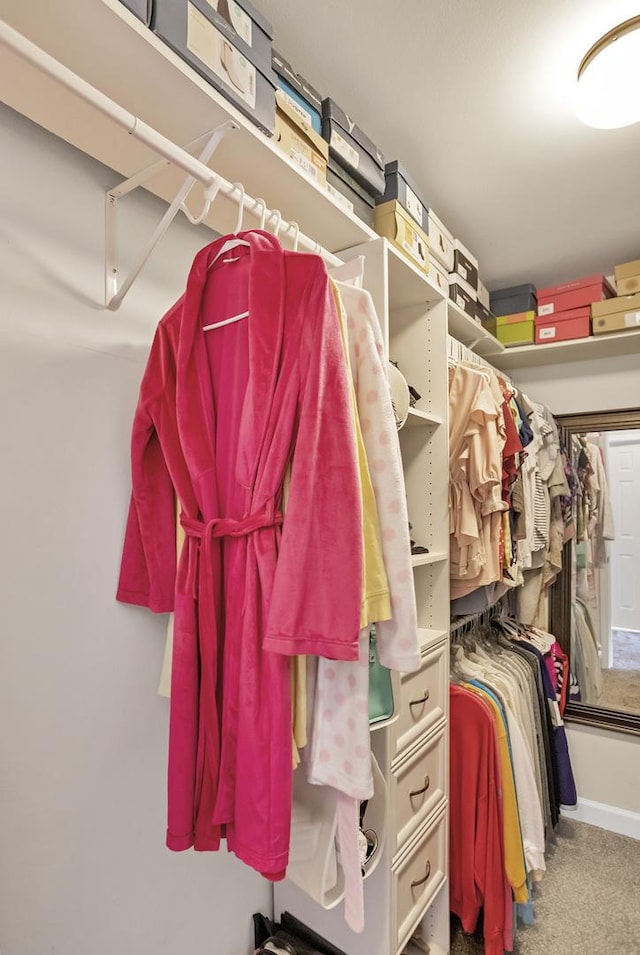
<point x="440" y="242"/>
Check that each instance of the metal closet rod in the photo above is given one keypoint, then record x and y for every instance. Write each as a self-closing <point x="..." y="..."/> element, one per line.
<point x="148" y="135"/>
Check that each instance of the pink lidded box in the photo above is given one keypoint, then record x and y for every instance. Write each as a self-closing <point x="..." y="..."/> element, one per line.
<point x="564" y="326"/>
<point x="572" y="295"/>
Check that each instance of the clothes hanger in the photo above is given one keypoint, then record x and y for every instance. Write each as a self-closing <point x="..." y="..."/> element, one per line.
<point x="231" y="243"/>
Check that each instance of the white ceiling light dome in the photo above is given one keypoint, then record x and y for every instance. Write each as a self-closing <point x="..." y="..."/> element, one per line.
<point x="608" y="94"/>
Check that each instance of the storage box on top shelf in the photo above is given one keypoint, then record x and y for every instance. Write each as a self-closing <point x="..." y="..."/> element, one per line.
<point x="575" y="323"/>
<point x="229" y="46"/>
<point x="141" y="9"/>
<point x="399" y="185"/>
<point x="440" y="242"/>
<point x="299" y="141"/>
<point x="352" y="148"/>
<point x="482" y="312"/>
<point x="437" y="274"/>
<point x="349" y="193"/>
<point x="298" y="91"/>
<point x="463" y="300"/>
<point x="465" y="265"/>
<point x="393" y="222"/>
<point x="575" y="294"/>
<point x="483" y="294"/>
<point x="455" y="279"/>
<point x="514" y="299"/>
<point x="513" y="330"/>
<point x="628" y="278"/>
<point x="616" y="314"/>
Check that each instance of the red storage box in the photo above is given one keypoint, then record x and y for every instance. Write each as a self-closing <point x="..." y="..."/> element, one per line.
<point x="571" y="295"/>
<point x="575" y="323"/>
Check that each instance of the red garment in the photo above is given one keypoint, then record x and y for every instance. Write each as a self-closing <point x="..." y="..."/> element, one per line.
<point x="477" y="873"/>
<point x="220" y="415"/>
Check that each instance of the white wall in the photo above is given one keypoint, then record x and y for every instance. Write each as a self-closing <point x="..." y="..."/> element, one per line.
<point x="83" y="868"/>
<point x="605" y="763"/>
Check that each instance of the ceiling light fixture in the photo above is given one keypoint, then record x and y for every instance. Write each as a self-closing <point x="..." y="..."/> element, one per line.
<point x="608" y="93"/>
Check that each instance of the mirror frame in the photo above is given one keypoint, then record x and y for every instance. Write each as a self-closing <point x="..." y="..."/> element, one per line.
<point x="560" y="591"/>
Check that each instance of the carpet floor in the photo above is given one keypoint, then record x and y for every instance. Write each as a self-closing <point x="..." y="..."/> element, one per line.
<point x="588" y="902"/>
<point x="621" y="684"/>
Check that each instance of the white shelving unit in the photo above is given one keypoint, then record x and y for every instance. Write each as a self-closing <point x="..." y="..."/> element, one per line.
<point x="582" y="349"/>
<point x="470" y="332"/>
<point x="109" y="48"/>
<point x="407" y="891"/>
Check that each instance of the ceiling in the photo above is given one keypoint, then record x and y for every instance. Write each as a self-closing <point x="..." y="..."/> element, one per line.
<point x="476" y="99"/>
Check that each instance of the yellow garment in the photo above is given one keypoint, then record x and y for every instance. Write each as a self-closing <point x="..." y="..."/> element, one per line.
<point x="376" y="603"/>
<point x="164" y="688"/>
<point x="514" y="863"/>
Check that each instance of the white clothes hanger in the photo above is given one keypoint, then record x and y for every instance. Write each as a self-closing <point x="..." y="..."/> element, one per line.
<point x="227" y="246"/>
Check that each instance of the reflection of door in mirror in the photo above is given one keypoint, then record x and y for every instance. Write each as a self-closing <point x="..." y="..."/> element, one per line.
<point x="605" y="585"/>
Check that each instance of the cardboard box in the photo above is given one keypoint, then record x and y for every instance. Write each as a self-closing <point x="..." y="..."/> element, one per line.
<point x="400" y="186"/>
<point x="349" y="193"/>
<point x="298" y="91"/>
<point x="576" y="294"/>
<point x="628" y="286"/>
<point x="628" y="278"/>
<point x="617" y="322"/>
<point x="463" y="300"/>
<point x="455" y="279"/>
<point x="440" y="241"/>
<point x="564" y="327"/>
<point x="514" y="299"/>
<point x="393" y="222"/>
<point x="627" y="270"/>
<point x="352" y="148"/>
<point x="438" y="275"/>
<point x="483" y="294"/>
<point x="140" y="8"/>
<point x="622" y="303"/>
<point x="233" y="55"/>
<point x="512" y="334"/>
<point x="465" y="267"/>
<point x="300" y="142"/>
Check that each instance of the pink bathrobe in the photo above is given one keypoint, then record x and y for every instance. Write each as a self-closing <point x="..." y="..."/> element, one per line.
<point x="219" y="416"/>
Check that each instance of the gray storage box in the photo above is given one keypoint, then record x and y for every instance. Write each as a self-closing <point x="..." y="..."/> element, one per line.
<point x="141" y="9"/>
<point x="361" y="203"/>
<point x="298" y="82"/>
<point x="352" y="148"/>
<point x="515" y="299"/>
<point x="462" y="299"/>
<point x="465" y="268"/>
<point x="230" y="46"/>
<point x="400" y="186"/>
<point x="483" y="313"/>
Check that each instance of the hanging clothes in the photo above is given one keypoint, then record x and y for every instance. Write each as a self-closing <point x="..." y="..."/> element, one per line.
<point x="220" y="416"/>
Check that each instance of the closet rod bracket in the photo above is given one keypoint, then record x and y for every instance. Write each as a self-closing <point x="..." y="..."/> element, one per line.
<point x="115" y="289"/>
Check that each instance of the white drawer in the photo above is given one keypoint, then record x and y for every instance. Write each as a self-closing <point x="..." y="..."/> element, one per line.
<point x="421" y="700"/>
<point x="417" y="877"/>
<point x="417" y="786"/>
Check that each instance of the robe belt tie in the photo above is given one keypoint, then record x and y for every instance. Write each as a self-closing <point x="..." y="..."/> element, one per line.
<point x="207" y="531"/>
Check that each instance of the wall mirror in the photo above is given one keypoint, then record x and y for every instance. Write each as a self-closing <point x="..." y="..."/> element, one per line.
<point x="595" y="602"/>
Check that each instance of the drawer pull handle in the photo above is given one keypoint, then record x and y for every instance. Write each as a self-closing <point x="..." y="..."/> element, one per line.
<point x="414" y="885"/>
<point x="423" y="699"/>
<point x="419" y="792"/>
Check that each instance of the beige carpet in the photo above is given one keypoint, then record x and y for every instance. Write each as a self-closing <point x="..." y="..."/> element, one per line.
<point x="588" y="902"/>
<point x="621" y="684"/>
<point x="621" y="690"/>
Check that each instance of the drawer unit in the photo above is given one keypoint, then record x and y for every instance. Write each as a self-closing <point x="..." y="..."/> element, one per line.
<point x="417" y="877"/>
<point x="421" y="701"/>
<point x="417" y="786"/>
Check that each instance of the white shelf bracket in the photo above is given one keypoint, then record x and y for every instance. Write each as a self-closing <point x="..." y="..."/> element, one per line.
<point x="115" y="289"/>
